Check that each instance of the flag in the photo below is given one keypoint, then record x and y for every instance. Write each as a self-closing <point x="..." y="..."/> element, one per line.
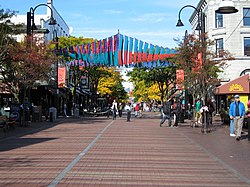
<point x="130" y="50"/>
<point x="135" y="51"/>
<point x="179" y="78"/>
<point x="120" y="50"/>
<point x="198" y="63"/>
<point x="125" y="57"/>
<point x="116" y="48"/>
<point x="162" y="54"/>
<point x="150" y="56"/>
<point x="105" y="51"/>
<point x="140" y="51"/>
<point x="110" y="51"/>
<point x="145" y="52"/>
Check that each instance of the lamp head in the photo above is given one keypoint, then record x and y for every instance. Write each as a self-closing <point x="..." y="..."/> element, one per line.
<point x="226" y="7"/>
<point x="52" y="21"/>
<point x="198" y="27"/>
<point x="179" y="23"/>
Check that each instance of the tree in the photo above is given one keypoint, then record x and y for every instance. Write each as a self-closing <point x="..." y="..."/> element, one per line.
<point x="28" y="65"/>
<point x="162" y="76"/>
<point x="112" y="85"/>
<point x="201" y="65"/>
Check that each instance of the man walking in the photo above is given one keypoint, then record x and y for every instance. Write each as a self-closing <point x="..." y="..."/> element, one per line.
<point x="237" y="113"/>
<point x="166" y="113"/>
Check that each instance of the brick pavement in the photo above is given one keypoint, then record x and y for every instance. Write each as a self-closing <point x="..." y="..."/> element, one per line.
<point x="102" y="152"/>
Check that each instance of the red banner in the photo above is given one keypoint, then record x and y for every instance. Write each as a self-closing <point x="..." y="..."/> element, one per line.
<point x="61" y="77"/>
<point x="179" y="78"/>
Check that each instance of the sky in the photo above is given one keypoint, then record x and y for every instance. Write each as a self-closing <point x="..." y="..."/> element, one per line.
<point x="152" y="21"/>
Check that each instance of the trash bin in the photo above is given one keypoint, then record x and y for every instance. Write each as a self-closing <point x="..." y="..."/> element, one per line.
<point x="36" y="114"/>
<point x="76" y="112"/>
<point x="52" y="114"/>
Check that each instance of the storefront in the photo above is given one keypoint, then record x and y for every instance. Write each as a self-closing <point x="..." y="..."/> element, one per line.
<point x="225" y="92"/>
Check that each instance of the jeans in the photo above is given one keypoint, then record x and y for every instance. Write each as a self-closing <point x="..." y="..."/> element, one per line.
<point x="238" y="123"/>
<point x="231" y="126"/>
<point x="164" y="117"/>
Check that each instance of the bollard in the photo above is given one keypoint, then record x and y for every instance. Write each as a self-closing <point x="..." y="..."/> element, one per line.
<point x="128" y="115"/>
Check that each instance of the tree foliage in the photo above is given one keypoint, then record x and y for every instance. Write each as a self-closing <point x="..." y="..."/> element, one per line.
<point x="163" y="79"/>
<point x="201" y="75"/>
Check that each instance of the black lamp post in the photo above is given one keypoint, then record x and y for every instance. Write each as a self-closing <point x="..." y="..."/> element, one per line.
<point x="201" y="28"/>
<point x="55" y="41"/>
<point x="201" y="22"/>
<point x="31" y="22"/>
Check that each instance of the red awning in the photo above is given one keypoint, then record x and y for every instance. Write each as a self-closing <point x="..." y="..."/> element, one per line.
<point x="236" y="86"/>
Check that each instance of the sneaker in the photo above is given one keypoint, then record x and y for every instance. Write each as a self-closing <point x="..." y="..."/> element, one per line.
<point x="233" y="135"/>
<point x="160" y="125"/>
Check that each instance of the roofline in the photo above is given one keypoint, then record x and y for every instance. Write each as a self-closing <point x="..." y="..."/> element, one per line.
<point x="200" y="6"/>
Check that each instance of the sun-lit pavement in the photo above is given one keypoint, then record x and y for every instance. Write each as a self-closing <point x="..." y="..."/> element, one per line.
<point x="103" y="152"/>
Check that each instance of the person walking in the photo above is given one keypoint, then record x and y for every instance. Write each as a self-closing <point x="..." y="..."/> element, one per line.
<point x="231" y="126"/>
<point x="114" y="108"/>
<point x="127" y="108"/>
<point x="166" y="113"/>
<point x="197" y="113"/>
<point x="248" y="118"/>
<point x="120" y="107"/>
<point x="237" y="113"/>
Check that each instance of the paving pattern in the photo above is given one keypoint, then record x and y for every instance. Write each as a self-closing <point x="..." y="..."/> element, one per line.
<point x="103" y="152"/>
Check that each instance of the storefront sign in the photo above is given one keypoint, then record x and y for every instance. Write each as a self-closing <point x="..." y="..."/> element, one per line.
<point x="236" y="88"/>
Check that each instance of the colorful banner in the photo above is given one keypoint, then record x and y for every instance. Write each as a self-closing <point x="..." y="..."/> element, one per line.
<point x="135" y="51"/>
<point x="120" y="50"/>
<point x="179" y="79"/>
<point x="125" y="54"/>
<point x="140" y="51"/>
<point x="131" y="40"/>
<point x="61" y="77"/>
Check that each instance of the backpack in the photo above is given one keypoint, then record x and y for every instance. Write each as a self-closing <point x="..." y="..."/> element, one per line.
<point x="166" y="108"/>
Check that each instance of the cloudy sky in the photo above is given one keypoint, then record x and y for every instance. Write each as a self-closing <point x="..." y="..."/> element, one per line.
<point x="151" y="21"/>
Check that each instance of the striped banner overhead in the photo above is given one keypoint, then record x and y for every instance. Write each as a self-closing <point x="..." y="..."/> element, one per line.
<point x="118" y="50"/>
<point x="116" y="47"/>
<point x="125" y="54"/>
<point x="135" y="51"/>
<point x="131" y="40"/>
<point x="140" y="52"/>
<point x="105" y="50"/>
<point x="110" y="51"/>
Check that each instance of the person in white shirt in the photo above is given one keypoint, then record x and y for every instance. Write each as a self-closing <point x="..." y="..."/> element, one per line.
<point x="114" y="109"/>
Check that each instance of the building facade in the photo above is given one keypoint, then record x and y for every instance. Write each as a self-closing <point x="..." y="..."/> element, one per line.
<point x="230" y="32"/>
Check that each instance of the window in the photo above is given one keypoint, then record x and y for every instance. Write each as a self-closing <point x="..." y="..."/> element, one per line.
<point x="247" y="46"/>
<point x="218" y="20"/>
<point x="246" y="16"/>
<point x="219" y="47"/>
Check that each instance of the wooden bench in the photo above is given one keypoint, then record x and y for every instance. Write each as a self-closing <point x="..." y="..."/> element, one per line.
<point x="6" y="124"/>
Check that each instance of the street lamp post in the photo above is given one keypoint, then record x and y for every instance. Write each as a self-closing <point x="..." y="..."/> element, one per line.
<point x="201" y="28"/>
<point x="225" y="7"/>
<point x="31" y="21"/>
<point x="55" y="41"/>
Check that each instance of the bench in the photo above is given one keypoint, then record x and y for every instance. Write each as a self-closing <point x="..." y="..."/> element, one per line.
<point x="6" y="124"/>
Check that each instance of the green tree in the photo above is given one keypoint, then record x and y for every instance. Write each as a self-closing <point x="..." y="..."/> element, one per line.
<point x="201" y="65"/>
<point x="163" y="77"/>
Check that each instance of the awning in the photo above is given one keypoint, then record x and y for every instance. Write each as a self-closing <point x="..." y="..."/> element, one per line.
<point x="236" y="86"/>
